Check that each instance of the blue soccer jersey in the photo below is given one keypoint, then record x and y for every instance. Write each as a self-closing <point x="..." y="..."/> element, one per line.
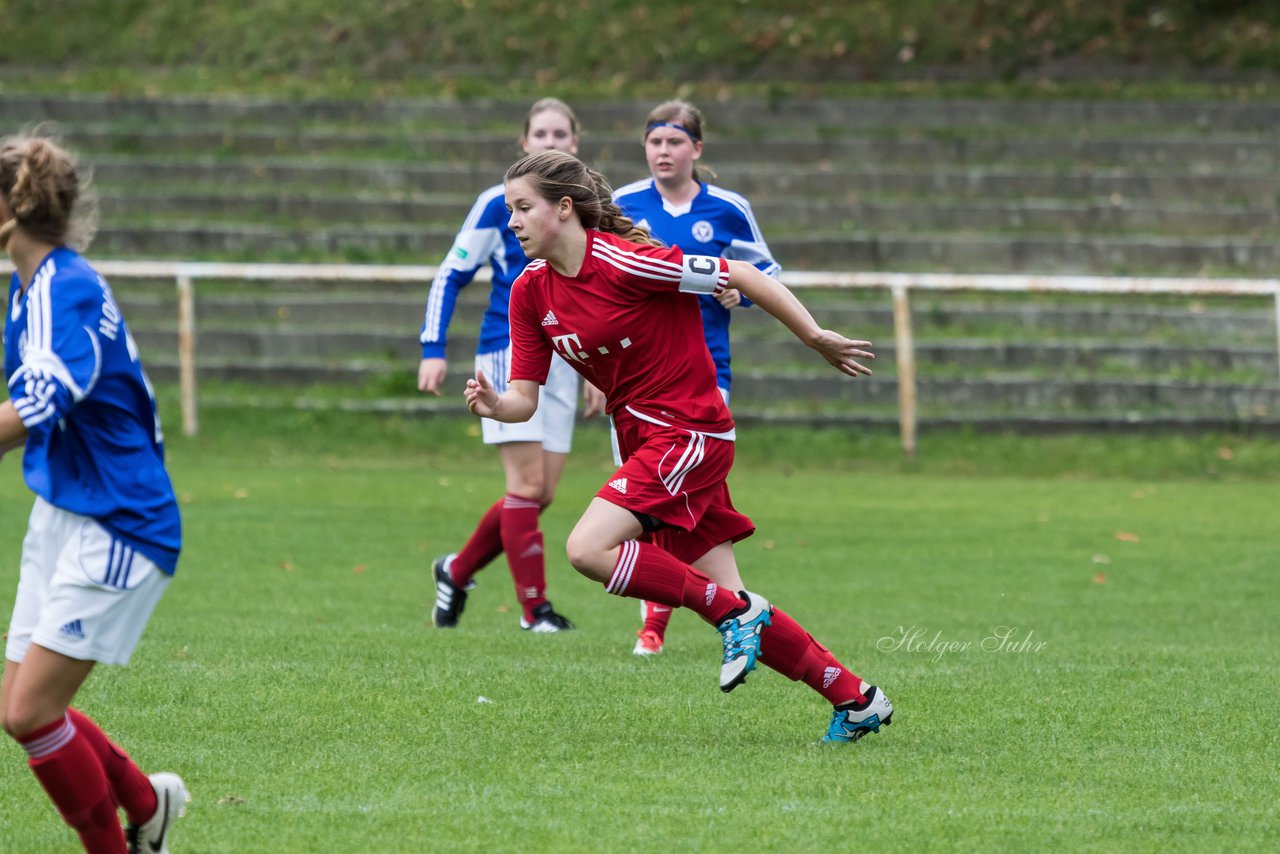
<point x="484" y="239"/>
<point x="716" y="222"/>
<point x="94" y="445"/>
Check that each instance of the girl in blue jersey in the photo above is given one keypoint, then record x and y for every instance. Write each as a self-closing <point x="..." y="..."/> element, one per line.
<point x="103" y="539"/>
<point x="533" y="453"/>
<point x="681" y="209"/>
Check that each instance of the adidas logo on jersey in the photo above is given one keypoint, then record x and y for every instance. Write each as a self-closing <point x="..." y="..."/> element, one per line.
<point x="550" y="319"/>
<point x="829" y="675"/>
<point x="72" y="629"/>
<point x="620" y="484"/>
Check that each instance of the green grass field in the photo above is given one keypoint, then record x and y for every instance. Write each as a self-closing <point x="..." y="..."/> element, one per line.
<point x="292" y="676"/>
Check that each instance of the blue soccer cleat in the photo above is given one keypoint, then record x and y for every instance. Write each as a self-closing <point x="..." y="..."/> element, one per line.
<point x="741" y="632"/>
<point x="851" y="721"/>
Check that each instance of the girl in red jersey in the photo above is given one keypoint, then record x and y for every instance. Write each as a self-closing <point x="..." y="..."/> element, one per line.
<point x="622" y="310"/>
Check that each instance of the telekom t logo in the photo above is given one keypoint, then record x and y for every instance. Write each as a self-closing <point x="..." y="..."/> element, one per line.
<point x="568" y="346"/>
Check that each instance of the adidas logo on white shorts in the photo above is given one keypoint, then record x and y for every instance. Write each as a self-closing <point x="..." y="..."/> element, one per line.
<point x="619" y="484"/>
<point x="550" y="319"/>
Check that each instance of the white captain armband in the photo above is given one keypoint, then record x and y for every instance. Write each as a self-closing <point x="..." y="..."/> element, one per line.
<point x="701" y="274"/>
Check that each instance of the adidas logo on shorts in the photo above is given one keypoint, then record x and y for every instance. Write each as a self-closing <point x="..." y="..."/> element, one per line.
<point x="550" y="319"/>
<point x="619" y="484"/>
<point x="829" y="675"/>
<point x="72" y="629"/>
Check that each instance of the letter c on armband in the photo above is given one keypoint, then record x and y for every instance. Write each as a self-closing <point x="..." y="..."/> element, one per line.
<point x="701" y="275"/>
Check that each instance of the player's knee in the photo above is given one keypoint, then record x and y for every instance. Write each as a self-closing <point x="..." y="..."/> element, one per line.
<point x="584" y="555"/>
<point x="21" y="719"/>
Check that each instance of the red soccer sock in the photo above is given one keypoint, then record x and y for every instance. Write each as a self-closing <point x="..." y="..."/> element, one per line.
<point x="656" y="618"/>
<point x="644" y="571"/>
<point x="522" y="541"/>
<point x="787" y="648"/>
<point x="484" y="545"/>
<point x="67" y="767"/>
<point x="129" y="786"/>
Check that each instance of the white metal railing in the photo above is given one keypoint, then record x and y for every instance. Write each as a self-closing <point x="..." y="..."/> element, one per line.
<point x="185" y="273"/>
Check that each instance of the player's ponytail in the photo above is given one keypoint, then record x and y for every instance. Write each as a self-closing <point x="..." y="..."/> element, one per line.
<point x="612" y="219"/>
<point x="43" y="192"/>
<point x="557" y="174"/>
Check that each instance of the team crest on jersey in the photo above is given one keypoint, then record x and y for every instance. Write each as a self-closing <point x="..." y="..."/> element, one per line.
<point x="703" y="232"/>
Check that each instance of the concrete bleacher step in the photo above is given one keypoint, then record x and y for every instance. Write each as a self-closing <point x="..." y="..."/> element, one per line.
<point x="496" y="149"/>
<point x="1027" y="215"/>
<point x="1180" y="116"/>
<point x="399" y="305"/>
<point x="391" y="349"/>
<point x="761" y="393"/>
<point x="752" y="179"/>
<point x="831" y="251"/>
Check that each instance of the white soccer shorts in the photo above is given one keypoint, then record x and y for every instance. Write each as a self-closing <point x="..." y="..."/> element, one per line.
<point x="552" y="421"/>
<point x="81" y="592"/>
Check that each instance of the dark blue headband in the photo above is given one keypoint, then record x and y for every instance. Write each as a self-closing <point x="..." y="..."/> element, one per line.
<point x="693" y="136"/>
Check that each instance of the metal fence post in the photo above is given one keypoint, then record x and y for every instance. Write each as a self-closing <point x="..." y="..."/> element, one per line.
<point x="905" y="347"/>
<point x="1277" y="305"/>
<point x="187" y="353"/>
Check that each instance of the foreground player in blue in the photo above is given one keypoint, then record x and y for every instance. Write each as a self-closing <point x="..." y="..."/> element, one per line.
<point x="681" y="209"/>
<point x="104" y="535"/>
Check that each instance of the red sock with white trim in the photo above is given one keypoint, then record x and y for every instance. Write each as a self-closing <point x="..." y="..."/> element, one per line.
<point x="69" y="770"/>
<point x="522" y="541"/>
<point x="644" y="571"/>
<point x="131" y="788"/>
<point x="484" y="545"/>
<point x="787" y="648"/>
<point x="656" y="618"/>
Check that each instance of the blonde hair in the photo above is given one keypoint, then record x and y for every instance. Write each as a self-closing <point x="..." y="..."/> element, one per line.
<point x="681" y="113"/>
<point x="40" y="185"/>
<point x="556" y="174"/>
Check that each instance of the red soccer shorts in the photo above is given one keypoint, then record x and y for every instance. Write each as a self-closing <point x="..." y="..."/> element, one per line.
<point x="677" y="476"/>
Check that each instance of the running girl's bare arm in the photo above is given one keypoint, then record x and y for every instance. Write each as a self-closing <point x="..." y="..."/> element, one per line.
<point x="516" y="404"/>
<point x="774" y="297"/>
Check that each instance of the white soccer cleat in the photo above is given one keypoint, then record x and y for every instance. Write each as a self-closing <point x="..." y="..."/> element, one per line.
<point x="740" y="632"/>
<point x="648" y="642"/>
<point x="852" y="721"/>
<point x="172" y="798"/>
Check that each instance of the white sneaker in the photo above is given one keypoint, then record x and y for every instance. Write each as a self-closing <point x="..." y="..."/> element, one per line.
<point x="171" y="803"/>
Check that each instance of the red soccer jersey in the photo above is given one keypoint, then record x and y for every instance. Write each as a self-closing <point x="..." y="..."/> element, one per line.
<point x="628" y="323"/>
